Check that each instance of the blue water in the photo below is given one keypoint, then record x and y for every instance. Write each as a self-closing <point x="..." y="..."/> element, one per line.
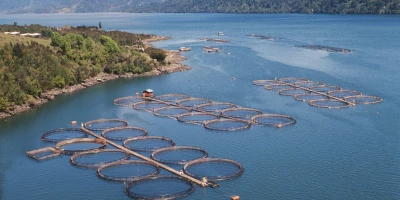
<point x="350" y="153"/>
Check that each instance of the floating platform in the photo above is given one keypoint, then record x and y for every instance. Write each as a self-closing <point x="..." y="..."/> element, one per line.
<point x="211" y="49"/>
<point x="325" y="48"/>
<point x="215" y="40"/>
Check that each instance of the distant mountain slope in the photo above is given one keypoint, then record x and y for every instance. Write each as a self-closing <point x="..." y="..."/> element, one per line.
<point x="204" y="6"/>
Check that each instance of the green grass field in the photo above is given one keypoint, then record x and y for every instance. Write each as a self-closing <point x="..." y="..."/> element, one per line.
<point x="4" y="39"/>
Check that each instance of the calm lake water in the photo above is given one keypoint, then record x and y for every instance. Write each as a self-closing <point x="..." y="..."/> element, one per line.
<point x="350" y="153"/>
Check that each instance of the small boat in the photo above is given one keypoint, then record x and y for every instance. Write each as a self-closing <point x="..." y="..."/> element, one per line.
<point x="185" y="49"/>
<point x="220" y="33"/>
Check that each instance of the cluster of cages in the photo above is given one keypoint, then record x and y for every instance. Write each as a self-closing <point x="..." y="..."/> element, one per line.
<point x="200" y="111"/>
<point x="119" y="131"/>
<point x="317" y="94"/>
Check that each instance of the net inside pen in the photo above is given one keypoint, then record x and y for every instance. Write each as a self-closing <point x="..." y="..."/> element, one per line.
<point x="63" y="134"/>
<point x="273" y="120"/>
<point x="149" y="106"/>
<point x="148" y="143"/>
<point x="172" y="98"/>
<point x="241" y="113"/>
<point x="127" y="170"/>
<point x="326" y="88"/>
<point x="128" y="101"/>
<point x="226" y="125"/>
<point x="171" y="111"/>
<point x="196" y="118"/>
<point x="159" y="187"/>
<point x="214" y="169"/>
<point x="97" y="158"/>
<point x="328" y="103"/>
<point x="263" y="82"/>
<point x="292" y="80"/>
<point x="292" y="92"/>
<point x="344" y="93"/>
<point x="123" y="133"/>
<point x="72" y="146"/>
<point x="178" y="154"/>
<point x="103" y="124"/>
<point x="363" y="99"/>
<point x="309" y="84"/>
<point x="216" y="107"/>
<point x="309" y="97"/>
<point x="278" y="86"/>
<point x="193" y="102"/>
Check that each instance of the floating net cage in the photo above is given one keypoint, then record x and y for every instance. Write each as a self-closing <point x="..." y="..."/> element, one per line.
<point x="179" y="155"/>
<point x="328" y="103"/>
<point x="196" y="118"/>
<point x="172" y="98"/>
<point x="97" y="158"/>
<point x="148" y="143"/>
<point x="292" y="80"/>
<point x="159" y="187"/>
<point x="309" y="84"/>
<point x="214" y="169"/>
<point x="226" y="125"/>
<point x="344" y="93"/>
<point x="273" y="120"/>
<point x="216" y="107"/>
<point x="123" y="133"/>
<point x="309" y="97"/>
<point x="263" y="82"/>
<point x="127" y="170"/>
<point x="63" y="134"/>
<point x="292" y="92"/>
<point x="128" y="101"/>
<point x="241" y="113"/>
<point x="43" y="153"/>
<point x="277" y="87"/>
<point x="193" y="102"/>
<point x="149" y="106"/>
<point x="103" y="124"/>
<point x="326" y="88"/>
<point x="171" y="111"/>
<point x="72" y="146"/>
<point x="363" y="99"/>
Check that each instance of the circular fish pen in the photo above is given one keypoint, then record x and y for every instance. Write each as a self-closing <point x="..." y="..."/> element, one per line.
<point x="196" y="118"/>
<point x="149" y="106"/>
<point x="214" y="169"/>
<point x="171" y="111"/>
<point x="97" y="158"/>
<point x="123" y="133"/>
<point x="128" y="101"/>
<point x="292" y="92"/>
<point x="328" y="103"/>
<point x="148" y="143"/>
<point x="309" y="97"/>
<point x="263" y="82"/>
<point x="241" y="113"/>
<point x="193" y="102"/>
<point x="325" y="89"/>
<point x="363" y="99"/>
<point x="159" y="187"/>
<point x="273" y="120"/>
<point x="278" y="86"/>
<point x="309" y="84"/>
<point x="72" y="146"/>
<point x="344" y="93"/>
<point x="226" y="125"/>
<point x="58" y="135"/>
<point x="216" y="107"/>
<point x="103" y="124"/>
<point x="292" y="80"/>
<point x="172" y="98"/>
<point x="127" y="170"/>
<point x="178" y="155"/>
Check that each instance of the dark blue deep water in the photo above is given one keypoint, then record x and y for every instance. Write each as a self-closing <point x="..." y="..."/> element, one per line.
<point x="350" y="153"/>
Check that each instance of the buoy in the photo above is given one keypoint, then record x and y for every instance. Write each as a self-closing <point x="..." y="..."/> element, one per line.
<point x="137" y="93"/>
<point x="233" y="78"/>
<point x="229" y="53"/>
<point x="73" y="122"/>
<point x="279" y="126"/>
<point x="235" y="198"/>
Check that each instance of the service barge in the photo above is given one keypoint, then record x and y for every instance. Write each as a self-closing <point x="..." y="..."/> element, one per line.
<point x="326" y="48"/>
<point x="214" y="40"/>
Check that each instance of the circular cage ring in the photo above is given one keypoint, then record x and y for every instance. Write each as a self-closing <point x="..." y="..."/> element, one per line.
<point x="178" y="148"/>
<point x="326" y="88"/>
<point x="193" y="102"/>
<point x="363" y="99"/>
<point x="216" y="107"/>
<point x="309" y="84"/>
<point x="278" y="86"/>
<point x="292" y="92"/>
<point x="227" y="125"/>
<point x="171" y="111"/>
<point x="196" y="118"/>
<point x="344" y="93"/>
<point x="128" y="101"/>
<point x="263" y="82"/>
<point x="123" y="133"/>
<point x="309" y="97"/>
<point x="235" y="174"/>
<point x="172" y="98"/>
<point x="328" y="103"/>
<point x="74" y="160"/>
<point x="151" y="173"/>
<point x="274" y="120"/>
<point x="241" y="113"/>
<point x="292" y="80"/>
<point x="137" y="195"/>
<point x="149" y="106"/>
<point x="58" y="135"/>
<point x="101" y="145"/>
<point x="103" y="124"/>
<point x="167" y="143"/>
